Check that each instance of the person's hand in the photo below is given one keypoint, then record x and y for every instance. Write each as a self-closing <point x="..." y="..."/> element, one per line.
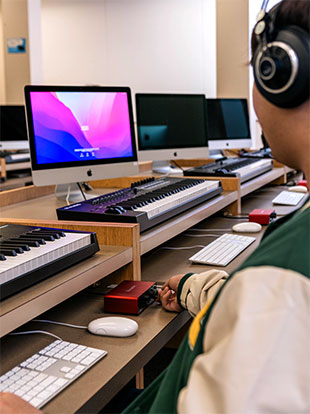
<point x="12" y="404"/>
<point x="168" y="294"/>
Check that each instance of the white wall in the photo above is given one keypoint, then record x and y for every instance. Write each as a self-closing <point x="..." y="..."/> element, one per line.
<point x="149" y="45"/>
<point x="254" y="7"/>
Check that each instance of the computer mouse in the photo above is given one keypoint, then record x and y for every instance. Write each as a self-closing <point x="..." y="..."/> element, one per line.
<point x="247" y="227"/>
<point x="113" y="326"/>
<point x="298" y="189"/>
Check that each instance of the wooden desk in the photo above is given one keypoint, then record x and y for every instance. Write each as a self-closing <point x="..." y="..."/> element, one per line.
<point x="156" y="326"/>
<point x="126" y="356"/>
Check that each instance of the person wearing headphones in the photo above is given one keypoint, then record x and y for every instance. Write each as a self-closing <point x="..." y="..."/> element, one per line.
<point x="247" y="349"/>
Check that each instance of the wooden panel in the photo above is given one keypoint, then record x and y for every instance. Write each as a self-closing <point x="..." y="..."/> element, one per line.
<point x="228" y="183"/>
<point x="197" y="162"/>
<point x="107" y="233"/>
<point x="3" y="168"/>
<point x="121" y="182"/>
<point x="25" y="193"/>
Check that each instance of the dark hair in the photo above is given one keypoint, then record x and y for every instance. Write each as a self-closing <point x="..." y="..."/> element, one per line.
<point x="289" y="13"/>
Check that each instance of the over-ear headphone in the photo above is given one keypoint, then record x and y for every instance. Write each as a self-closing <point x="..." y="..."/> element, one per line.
<point x="281" y="60"/>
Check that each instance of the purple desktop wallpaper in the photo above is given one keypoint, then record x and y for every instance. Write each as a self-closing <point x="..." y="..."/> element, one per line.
<point x="80" y="126"/>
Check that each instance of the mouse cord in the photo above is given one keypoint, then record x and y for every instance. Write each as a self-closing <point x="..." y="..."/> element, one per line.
<point x="200" y="235"/>
<point x="36" y="332"/>
<point x="60" y="323"/>
<point x="196" y="229"/>
<point x="181" y="248"/>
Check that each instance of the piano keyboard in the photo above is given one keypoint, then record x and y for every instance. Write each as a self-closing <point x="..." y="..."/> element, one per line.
<point x="30" y="254"/>
<point x="246" y="168"/>
<point x="148" y="202"/>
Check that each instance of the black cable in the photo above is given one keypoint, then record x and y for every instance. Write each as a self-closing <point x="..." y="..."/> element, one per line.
<point x="177" y="165"/>
<point x="235" y="217"/>
<point x="79" y="185"/>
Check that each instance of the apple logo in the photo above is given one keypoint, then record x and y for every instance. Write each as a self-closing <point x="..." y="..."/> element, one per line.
<point x="89" y="173"/>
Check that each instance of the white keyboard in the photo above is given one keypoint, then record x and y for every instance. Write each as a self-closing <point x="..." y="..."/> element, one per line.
<point x="42" y="376"/>
<point x="222" y="250"/>
<point x="288" y="198"/>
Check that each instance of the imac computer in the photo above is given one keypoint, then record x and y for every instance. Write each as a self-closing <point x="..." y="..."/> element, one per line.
<point x="227" y="122"/>
<point x="170" y="126"/>
<point x="79" y="133"/>
<point x="13" y="129"/>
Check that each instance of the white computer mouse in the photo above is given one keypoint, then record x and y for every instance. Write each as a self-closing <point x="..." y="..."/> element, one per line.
<point x="298" y="189"/>
<point x="113" y="326"/>
<point x="247" y="227"/>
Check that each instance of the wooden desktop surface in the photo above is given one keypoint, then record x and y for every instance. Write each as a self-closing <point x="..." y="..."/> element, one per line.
<point x="126" y="356"/>
<point x="156" y="326"/>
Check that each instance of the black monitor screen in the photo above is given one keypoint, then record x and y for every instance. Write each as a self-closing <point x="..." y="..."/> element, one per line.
<point x="227" y="119"/>
<point x="13" y="123"/>
<point x="170" y="121"/>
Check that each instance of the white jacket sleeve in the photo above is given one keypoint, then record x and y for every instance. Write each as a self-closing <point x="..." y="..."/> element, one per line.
<point x="256" y="348"/>
<point x="201" y="288"/>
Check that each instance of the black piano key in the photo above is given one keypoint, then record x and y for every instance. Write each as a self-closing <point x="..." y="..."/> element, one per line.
<point x="8" y="252"/>
<point x="25" y="247"/>
<point x="32" y="243"/>
<point x="43" y="233"/>
<point x="2" y="257"/>
<point x="35" y="238"/>
<point x="47" y="237"/>
<point x="8" y="246"/>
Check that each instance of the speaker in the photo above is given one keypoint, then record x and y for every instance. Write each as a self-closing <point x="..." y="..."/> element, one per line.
<point x="281" y="60"/>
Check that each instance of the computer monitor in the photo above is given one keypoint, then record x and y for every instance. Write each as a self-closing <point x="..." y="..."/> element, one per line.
<point x="227" y="122"/>
<point x="80" y="133"/>
<point x="170" y="126"/>
<point x="13" y="130"/>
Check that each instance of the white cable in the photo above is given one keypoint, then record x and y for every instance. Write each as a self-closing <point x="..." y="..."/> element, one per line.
<point x="60" y="323"/>
<point x="34" y="332"/>
<point x="68" y="195"/>
<point x="201" y="235"/>
<point x="209" y="229"/>
<point x="182" y="248"/>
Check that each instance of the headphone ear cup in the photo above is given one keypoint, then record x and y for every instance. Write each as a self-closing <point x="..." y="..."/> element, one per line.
<point x="281" y="70"/>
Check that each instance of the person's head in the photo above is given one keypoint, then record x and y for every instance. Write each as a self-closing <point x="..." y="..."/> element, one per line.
<point x="281" y="100"/>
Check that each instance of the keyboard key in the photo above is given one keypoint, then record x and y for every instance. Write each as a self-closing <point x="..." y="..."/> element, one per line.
<point x="36" y="387"/>
<point x="288" y="198"/>
<point x="222" y="250"/>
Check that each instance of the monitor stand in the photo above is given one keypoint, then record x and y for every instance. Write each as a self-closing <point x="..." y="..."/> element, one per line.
<point x="71" y="193"/>
<point x="216" y="155"/>
<point x="164" y="167"/>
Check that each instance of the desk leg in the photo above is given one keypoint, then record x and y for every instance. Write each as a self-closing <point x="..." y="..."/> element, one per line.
<point x="234" y="208"/>
<point x="140" y="379"/>
<point x="2" y="168"/>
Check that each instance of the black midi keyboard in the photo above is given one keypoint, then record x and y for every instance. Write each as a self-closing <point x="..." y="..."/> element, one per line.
<point x="245" y="168"/>
<point x="147" y="202"/>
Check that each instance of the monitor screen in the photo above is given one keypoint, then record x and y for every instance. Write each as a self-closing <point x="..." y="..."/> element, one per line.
<point x="171" y="126"/>
<point x="76" y="131"/>
<point x="227" y="122"/>
<point x="13" y="129"/>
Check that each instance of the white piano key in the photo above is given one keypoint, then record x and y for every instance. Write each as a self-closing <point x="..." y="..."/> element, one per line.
<point x="38" y="256"/>
<point x="174" y="200"/>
